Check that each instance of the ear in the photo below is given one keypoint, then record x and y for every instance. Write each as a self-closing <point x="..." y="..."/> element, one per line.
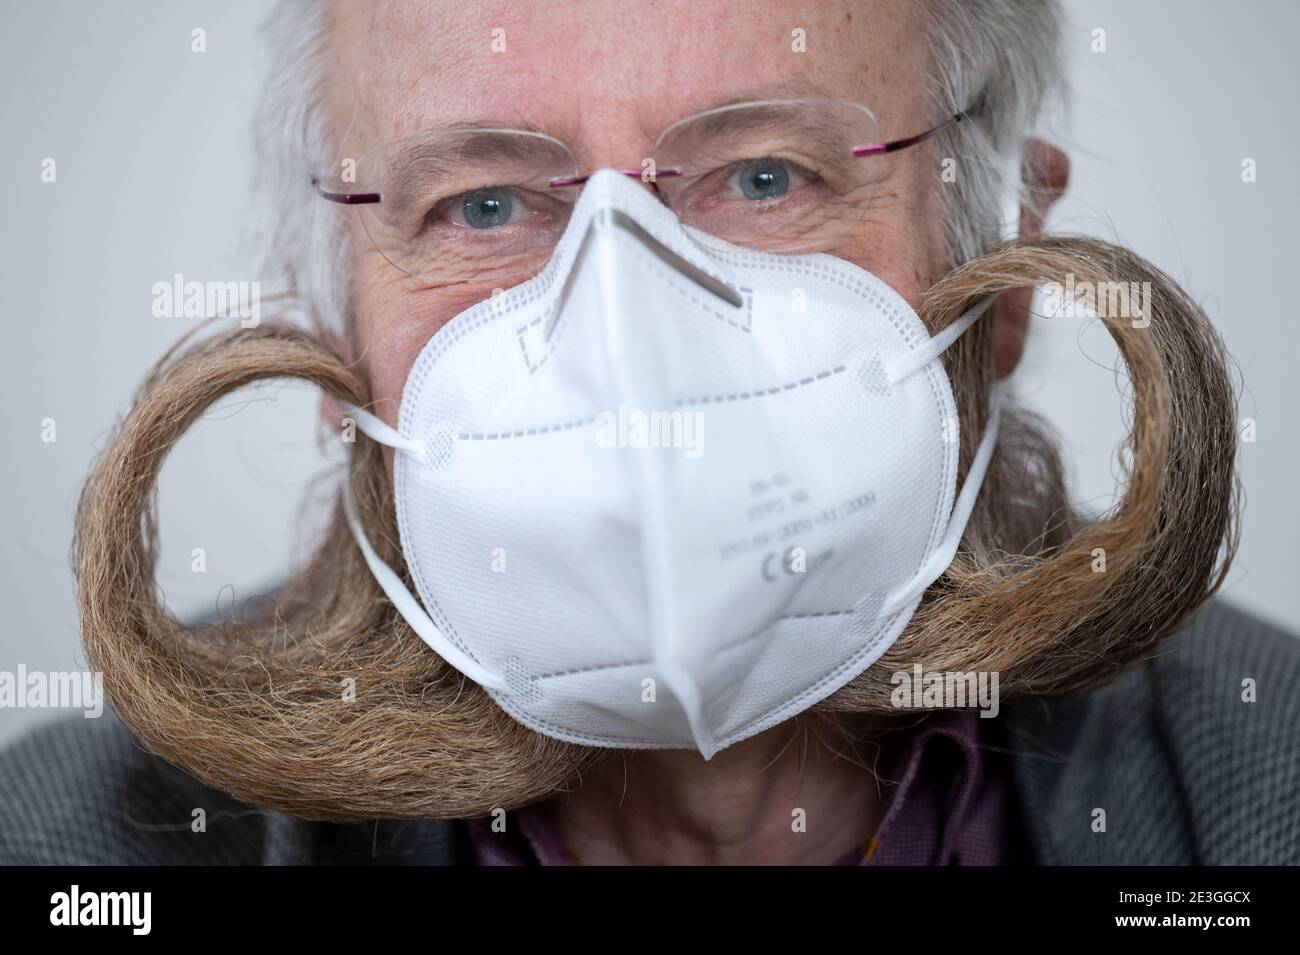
<point x="1045" y="172"/>
<point x="331" y="411"/>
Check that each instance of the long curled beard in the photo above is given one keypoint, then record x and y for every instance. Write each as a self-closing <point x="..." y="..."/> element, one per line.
<point x="256" y="705"/>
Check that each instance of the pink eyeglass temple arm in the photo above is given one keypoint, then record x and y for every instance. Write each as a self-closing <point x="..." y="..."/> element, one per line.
<point x="345" y="198"/>
<point x="875" y="149"/>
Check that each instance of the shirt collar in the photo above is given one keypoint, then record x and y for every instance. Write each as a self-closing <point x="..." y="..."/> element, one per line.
<point x="946" y="803"/>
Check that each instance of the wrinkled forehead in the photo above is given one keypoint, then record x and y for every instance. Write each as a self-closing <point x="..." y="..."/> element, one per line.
<point x="607" y="76"/>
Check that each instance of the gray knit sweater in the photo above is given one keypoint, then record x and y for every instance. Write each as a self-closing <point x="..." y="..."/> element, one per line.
<point x="1186" y="771"/>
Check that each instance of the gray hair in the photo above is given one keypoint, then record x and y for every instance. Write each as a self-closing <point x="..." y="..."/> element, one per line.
<point x="1003" y="58"/>
<point x="1002" y="54"/>
<point x="302" y="240"/>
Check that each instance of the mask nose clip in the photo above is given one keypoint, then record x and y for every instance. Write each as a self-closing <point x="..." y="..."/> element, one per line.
<point x="617" y="218"/>
<point x="608" y="189"/>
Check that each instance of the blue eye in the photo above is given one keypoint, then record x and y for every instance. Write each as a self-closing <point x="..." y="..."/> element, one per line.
<point x="764" y="179"/>
<point x="487" y="208"/>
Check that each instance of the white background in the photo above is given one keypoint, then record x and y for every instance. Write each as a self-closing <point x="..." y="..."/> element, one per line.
<point x="152" y="144"/>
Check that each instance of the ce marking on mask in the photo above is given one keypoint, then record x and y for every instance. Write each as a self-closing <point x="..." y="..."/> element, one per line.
<point x="786" y="519"/>
<point x="794" y="561"/>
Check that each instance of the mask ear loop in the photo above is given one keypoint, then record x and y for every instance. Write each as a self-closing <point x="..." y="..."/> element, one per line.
<point x="381" y="432"/>
<point x="918" y="358"/>
<point x="396" y="591"/>
<point x="964" y="506"/>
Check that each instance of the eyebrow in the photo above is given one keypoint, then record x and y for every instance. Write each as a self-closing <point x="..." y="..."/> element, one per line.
<point x="779" y="89"/>
<point x="449" y="146"/>
<point x="443" y="151"/>
<point x="823" y="129"/>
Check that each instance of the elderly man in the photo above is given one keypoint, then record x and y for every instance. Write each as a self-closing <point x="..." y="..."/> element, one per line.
<point x="537" y="635"/>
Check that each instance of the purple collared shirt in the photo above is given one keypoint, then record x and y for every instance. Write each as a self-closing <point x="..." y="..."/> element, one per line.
<point x="948" y="804"/>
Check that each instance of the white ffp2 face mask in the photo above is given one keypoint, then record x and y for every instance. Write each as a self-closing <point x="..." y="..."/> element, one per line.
<point x="671" y="492"/>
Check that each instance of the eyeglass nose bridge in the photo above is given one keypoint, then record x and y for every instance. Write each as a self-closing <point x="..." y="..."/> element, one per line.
<point x="561" y="181"/>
